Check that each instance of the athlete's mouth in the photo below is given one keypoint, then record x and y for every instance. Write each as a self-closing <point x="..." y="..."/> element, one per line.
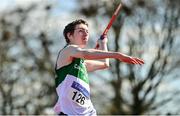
<point x="85" y="39"/>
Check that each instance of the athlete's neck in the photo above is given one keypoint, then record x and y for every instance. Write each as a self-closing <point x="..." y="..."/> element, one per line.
<point x="81" y="46"/>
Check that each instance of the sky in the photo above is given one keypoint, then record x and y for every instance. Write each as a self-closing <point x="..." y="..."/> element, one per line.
<point x="6" y="3"/>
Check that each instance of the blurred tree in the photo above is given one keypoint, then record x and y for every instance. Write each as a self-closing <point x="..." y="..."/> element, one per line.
<point x="148" y="29"/>
<point x="26" y="63"/>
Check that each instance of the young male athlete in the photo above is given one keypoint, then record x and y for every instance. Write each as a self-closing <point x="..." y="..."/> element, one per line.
<point x="73" y="63"/>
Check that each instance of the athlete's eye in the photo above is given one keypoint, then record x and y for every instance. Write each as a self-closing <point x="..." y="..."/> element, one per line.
<point x="82" y="30"/>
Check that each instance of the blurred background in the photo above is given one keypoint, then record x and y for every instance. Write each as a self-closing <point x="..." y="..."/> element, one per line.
<point x="31" y="36"/>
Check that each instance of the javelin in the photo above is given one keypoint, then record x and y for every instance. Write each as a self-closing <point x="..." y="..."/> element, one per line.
<point x="112" y="20"/>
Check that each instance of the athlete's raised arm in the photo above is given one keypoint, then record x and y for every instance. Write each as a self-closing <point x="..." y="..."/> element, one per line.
<point x="94" y="54"/>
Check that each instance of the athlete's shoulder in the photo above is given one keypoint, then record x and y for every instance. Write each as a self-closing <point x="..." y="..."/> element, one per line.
<point x="74" y="51"/>
<point x="68" y="48"/>
<point x="72" y="48"/>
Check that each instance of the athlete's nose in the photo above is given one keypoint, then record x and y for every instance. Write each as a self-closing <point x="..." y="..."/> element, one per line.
<point x="86" y="33"/>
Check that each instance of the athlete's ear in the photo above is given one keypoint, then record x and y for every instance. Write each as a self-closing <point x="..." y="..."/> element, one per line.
<point x="69" y="35"/>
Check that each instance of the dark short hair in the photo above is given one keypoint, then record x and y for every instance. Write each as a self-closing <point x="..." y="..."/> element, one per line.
<point x="71" y="26"/>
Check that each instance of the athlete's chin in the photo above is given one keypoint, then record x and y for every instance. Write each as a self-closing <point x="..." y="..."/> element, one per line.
<point x="83" y="45"/>
<point x="84" y="42"/>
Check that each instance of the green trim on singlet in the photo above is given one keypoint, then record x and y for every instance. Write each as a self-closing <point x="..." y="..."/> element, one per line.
<point x="76" y="68"/>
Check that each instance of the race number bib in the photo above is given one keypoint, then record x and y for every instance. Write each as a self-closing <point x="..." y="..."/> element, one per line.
<point x="79" y="94"/>
<point x="76" y="91"/>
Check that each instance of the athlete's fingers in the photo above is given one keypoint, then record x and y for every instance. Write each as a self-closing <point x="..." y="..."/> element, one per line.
<point x="139" y="61"/>
<point x="134" y="61"/>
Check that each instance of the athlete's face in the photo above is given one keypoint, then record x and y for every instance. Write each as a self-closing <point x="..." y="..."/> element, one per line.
<point x="80" y="36"/>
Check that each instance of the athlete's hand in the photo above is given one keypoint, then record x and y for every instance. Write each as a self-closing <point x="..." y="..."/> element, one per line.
<point x="101" y="41"/>
<point x="131" y="60"/>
